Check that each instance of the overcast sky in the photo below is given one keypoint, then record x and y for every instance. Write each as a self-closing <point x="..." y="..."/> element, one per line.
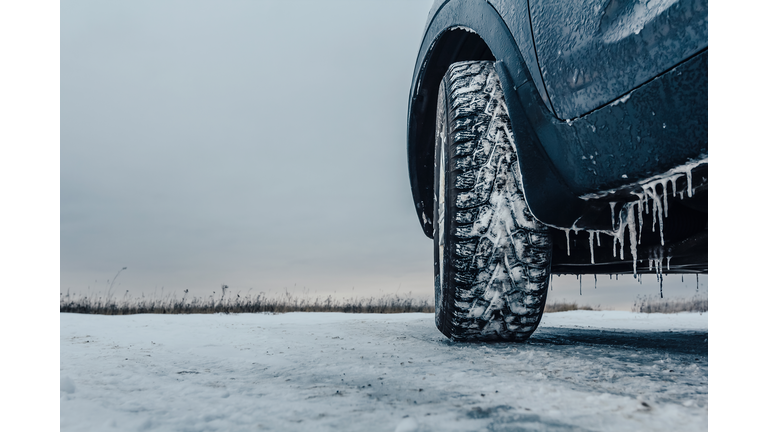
<point x="258" y="144"/>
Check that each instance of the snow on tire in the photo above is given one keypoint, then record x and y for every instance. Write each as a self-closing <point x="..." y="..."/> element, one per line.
<point x="492" y="257"/>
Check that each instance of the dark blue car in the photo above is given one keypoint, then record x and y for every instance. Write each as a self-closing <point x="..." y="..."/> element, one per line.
<point x="549" y="137"/>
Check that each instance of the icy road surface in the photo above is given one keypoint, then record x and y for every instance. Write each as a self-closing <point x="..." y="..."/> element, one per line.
<point x="581" y="370"/>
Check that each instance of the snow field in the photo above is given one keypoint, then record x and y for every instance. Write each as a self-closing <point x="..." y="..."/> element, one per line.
<point x="394" y="372"/>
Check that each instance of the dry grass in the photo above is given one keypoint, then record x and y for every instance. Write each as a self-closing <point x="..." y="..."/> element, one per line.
<point x="648" y="304"/>
<point x="564" y="306"/>
<point x="108" y="305"/>
<point x="286" y="302"/>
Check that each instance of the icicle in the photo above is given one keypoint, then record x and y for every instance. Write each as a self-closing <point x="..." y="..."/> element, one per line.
<point x="645" y="202"/>
<point x="591" y="247"/>
<point x="661" y="284"/>
<point x="697" y="282"/>
<point x="595" y="280"/>
<point x="640" y="223"/>
<point x="621" y="244"/>
<point x="682" y="278"/>
<point x="664" y="193"/>
<point x="674" y="186"/>
<point x="658" y="212"/>
<point x="661" y="227"/>
<point x="568" y="241"/>
<point x="689" y="177"/>
<point x="626" y="215"/>
<point x="597" y="234"/>
<point x="653" y="227"/>
<point x="579" y="284"/>
<point x="669" y="258"/>
<point x="613" y="222"/>
<point x="632" y="239"/>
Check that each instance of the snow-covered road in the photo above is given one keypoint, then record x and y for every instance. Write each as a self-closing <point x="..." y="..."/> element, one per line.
<point x="581" y="370"/>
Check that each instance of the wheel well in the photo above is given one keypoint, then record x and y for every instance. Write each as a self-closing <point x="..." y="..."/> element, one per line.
<point x="453" y="45"/>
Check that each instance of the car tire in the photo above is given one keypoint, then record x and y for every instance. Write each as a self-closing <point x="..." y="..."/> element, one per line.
<point x="492" y="257"/>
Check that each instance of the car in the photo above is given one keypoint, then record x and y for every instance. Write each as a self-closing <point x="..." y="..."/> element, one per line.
<point x="551" y="137"/>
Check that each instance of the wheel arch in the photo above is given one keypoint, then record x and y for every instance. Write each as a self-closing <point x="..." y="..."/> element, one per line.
<point x="463" y="30"/>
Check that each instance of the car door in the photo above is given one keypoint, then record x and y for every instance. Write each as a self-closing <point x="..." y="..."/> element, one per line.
<point x="591" y="52"/>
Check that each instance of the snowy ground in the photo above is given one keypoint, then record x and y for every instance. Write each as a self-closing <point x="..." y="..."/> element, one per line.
<point x="581" y="370"/>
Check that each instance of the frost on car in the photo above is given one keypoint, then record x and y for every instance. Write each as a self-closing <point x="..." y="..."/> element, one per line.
<point x="553" y="137"/>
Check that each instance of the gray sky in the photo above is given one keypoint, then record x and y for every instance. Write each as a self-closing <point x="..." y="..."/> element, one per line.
<point x="258" y="144"/>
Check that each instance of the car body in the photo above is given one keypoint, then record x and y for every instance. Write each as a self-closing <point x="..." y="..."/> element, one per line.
<point x="608" y="101"/>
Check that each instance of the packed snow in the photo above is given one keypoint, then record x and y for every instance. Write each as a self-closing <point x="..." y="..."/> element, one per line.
<point x="581" y="370"/>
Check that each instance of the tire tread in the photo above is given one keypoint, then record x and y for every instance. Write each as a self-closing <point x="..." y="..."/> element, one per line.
<point x="498" y="271"/>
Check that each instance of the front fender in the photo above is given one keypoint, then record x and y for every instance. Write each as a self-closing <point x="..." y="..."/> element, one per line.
<point x="473" y="30"/>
